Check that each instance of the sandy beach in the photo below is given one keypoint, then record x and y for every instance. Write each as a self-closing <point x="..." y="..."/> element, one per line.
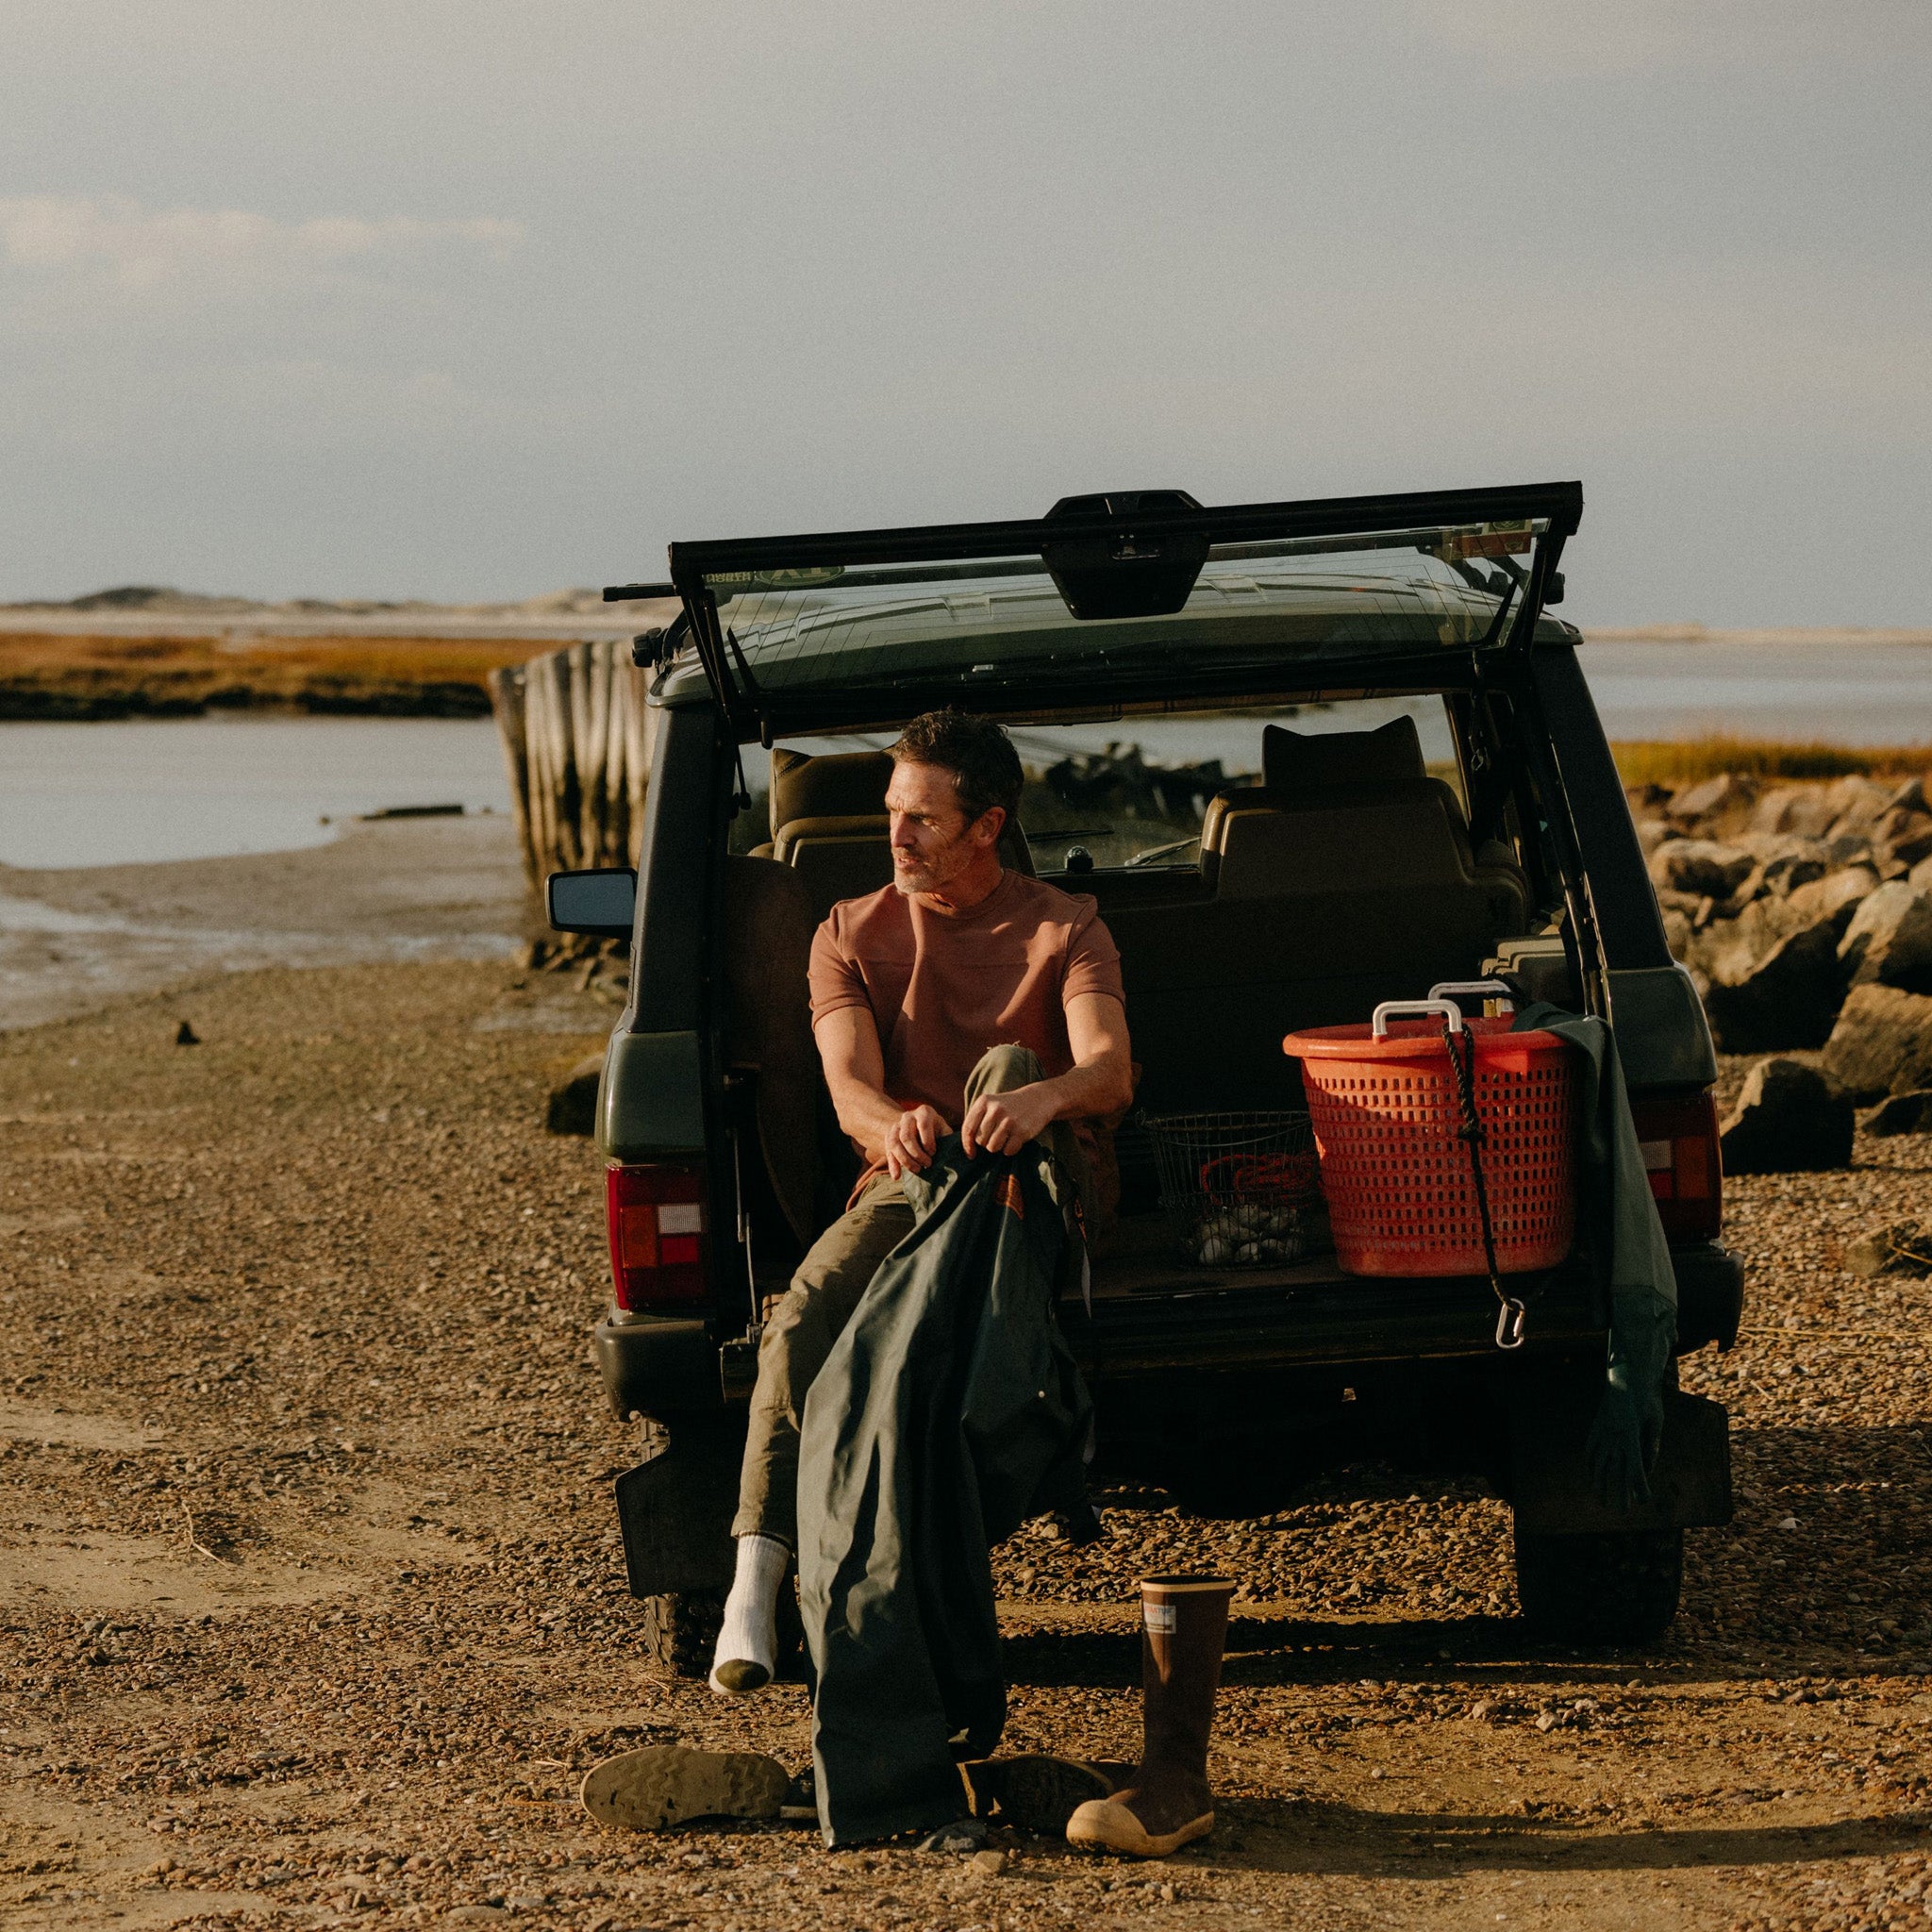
<point x="423" y="889"/>
<point x="312" y="1605"/>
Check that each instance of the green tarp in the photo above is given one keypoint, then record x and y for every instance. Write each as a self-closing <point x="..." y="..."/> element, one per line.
<point x="1618" y="1230"/>
<point x="949" y="1411"/>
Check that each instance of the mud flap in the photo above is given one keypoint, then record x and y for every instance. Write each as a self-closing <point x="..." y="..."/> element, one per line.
<point x="1550" y="1483"/>
<point x="676" y="1510"/>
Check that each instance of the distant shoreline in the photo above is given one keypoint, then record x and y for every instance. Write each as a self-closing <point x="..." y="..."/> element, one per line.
<point x="162" y="654"/>
<point x="141" y="654"/>
<point x="86" y="679"/>
<point x="1790" y="638"/>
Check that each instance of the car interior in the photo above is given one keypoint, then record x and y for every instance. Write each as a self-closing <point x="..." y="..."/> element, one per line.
<point x="1347" y="876"/>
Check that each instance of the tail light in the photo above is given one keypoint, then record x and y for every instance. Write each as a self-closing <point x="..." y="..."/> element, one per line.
<point x="659" y="1255"/>
<point x="1679" y="1141"/>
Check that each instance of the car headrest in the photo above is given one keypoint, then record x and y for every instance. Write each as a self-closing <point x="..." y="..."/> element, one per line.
<point x="840" y="785"/>
<point x="1318" y="760"/>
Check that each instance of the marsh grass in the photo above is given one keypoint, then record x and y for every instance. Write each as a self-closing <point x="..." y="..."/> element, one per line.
<point x="82" y="676"/>
<point x="1681" y="761"/>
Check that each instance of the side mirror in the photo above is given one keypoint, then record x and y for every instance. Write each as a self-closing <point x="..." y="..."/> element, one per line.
<point x="601" y="904"/>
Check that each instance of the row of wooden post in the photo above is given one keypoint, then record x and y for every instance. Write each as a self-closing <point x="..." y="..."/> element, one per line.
<point x="576" y="743"/>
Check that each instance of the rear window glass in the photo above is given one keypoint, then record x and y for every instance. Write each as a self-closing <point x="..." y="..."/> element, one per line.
<point x="1004" y="620"/>
<point x="1131" y="793"/>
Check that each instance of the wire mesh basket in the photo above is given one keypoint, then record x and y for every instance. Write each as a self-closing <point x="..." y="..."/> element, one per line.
<point x="1240" y="1190"/>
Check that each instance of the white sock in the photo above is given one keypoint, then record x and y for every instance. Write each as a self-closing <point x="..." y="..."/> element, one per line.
<point x="747" y="1650"/>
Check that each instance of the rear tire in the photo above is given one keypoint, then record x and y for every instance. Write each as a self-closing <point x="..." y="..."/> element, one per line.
<point x="1615" y="1587"/>
<point x="680" y="1630"/>
<point x="680" y="1633"/>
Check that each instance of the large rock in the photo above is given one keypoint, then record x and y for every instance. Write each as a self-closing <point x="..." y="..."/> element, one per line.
<point x="1789" y="1119"/>
<point x="1804" y="861"/>
<point x="1722" y="797"/>
<point x="1857" y="802"/>
<point x="1902" y="1248"/>
<point x="573" y="1105"/>
<point x="1785" y="995"/>
<point x="1889" y="941"/>
<point x="1801" y="813"/>
<point x="1728" y="947"/>
<point x="1701" y="866"/>
<point x="1904" y="1113"/>
<point x="1836" y="896"/>
<point x="1881" y="1044"/>
<point x="1902" y="838"/>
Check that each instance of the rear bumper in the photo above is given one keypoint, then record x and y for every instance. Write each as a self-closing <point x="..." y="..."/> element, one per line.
<point x="670" y="1366"/>
<point x="1342" y="1322"/>
<point x="1710" y="1295"/>
<point x="657" y="1365"/>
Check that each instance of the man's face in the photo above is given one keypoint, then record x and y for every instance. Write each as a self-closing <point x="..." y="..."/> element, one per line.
<point x="933" y="840"/>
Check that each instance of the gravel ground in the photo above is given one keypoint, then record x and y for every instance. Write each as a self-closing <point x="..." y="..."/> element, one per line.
<point x="311" y="1598"/>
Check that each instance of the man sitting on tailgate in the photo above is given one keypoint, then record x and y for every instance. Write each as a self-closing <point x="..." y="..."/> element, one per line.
<point x="910" y="989"/>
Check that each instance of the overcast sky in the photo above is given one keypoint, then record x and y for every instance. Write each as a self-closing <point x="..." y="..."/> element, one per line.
<point x="469" y="298"/>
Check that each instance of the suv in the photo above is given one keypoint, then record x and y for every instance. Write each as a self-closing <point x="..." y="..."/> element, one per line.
<point x="1442" y="807"/>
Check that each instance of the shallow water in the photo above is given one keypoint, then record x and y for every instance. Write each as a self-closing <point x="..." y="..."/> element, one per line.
<point x="1843" y="693"/>
<point x="141" y="791"/>
<point x="204" y="788"/>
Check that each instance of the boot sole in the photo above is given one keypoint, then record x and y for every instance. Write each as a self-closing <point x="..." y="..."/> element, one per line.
<point x="1040" y="1793"/>
<point x="668" y="1785"/>
<point x="1105" y="1826"/>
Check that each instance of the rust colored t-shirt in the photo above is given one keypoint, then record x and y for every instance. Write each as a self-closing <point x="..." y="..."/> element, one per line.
<point x="944" y="986"/>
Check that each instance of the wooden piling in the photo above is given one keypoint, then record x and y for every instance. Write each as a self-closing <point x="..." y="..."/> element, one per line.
<point x="577" y="745"/>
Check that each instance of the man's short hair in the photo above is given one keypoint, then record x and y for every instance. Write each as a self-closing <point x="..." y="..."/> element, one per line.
<point x="985" y="767"/>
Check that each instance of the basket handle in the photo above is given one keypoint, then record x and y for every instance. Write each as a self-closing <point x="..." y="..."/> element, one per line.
<point x="1379" y="1024"/>
<point x="1488" y="989"/>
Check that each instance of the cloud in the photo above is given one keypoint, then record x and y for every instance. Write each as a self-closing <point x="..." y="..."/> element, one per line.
<point x="115" y="241"/>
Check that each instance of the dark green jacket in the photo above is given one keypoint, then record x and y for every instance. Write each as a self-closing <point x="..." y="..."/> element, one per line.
<point x="1619" y="1229"/>
<point x="949" y="1411"/>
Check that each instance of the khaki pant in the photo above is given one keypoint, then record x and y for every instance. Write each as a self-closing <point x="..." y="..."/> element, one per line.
<point x="830" y="1283"/>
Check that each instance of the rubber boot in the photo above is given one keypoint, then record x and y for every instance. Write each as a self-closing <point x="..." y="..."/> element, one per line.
<point x="1166" y="1803"/>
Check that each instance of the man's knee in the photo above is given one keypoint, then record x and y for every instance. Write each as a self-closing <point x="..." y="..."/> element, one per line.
<point x="1001" y="1069"/>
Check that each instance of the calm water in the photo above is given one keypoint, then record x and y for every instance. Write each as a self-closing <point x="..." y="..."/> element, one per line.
<point x="110" y="794"/>
<point x="1846" y="693"/>
<point x="203" y="788"/>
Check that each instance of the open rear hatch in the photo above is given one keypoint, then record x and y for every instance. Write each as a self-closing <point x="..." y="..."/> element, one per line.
<point x="1112" y="599"/>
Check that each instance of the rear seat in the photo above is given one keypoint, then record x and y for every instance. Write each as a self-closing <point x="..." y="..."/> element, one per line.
<point x="1343" y="808"/>
<point x="829" y="824"/>
<point x="1344" y="879"/>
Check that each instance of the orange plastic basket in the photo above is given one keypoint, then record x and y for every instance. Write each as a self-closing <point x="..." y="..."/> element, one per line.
<point x="1396" y="1170"/>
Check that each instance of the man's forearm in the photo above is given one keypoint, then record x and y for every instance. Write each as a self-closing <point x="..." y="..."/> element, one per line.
<point x="1091" y="1089"/>
<point x="865" y="1113"/>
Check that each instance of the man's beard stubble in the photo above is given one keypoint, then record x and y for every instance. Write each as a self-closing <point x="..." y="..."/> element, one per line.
<point x="945" y="865"/>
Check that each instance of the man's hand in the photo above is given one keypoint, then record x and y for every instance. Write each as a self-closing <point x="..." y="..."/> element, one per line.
<point x="910" y="1141"/>
<point x="1004" y="1122"/>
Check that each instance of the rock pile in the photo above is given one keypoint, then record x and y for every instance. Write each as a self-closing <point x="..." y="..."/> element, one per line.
<point x="1804" y="912"/>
